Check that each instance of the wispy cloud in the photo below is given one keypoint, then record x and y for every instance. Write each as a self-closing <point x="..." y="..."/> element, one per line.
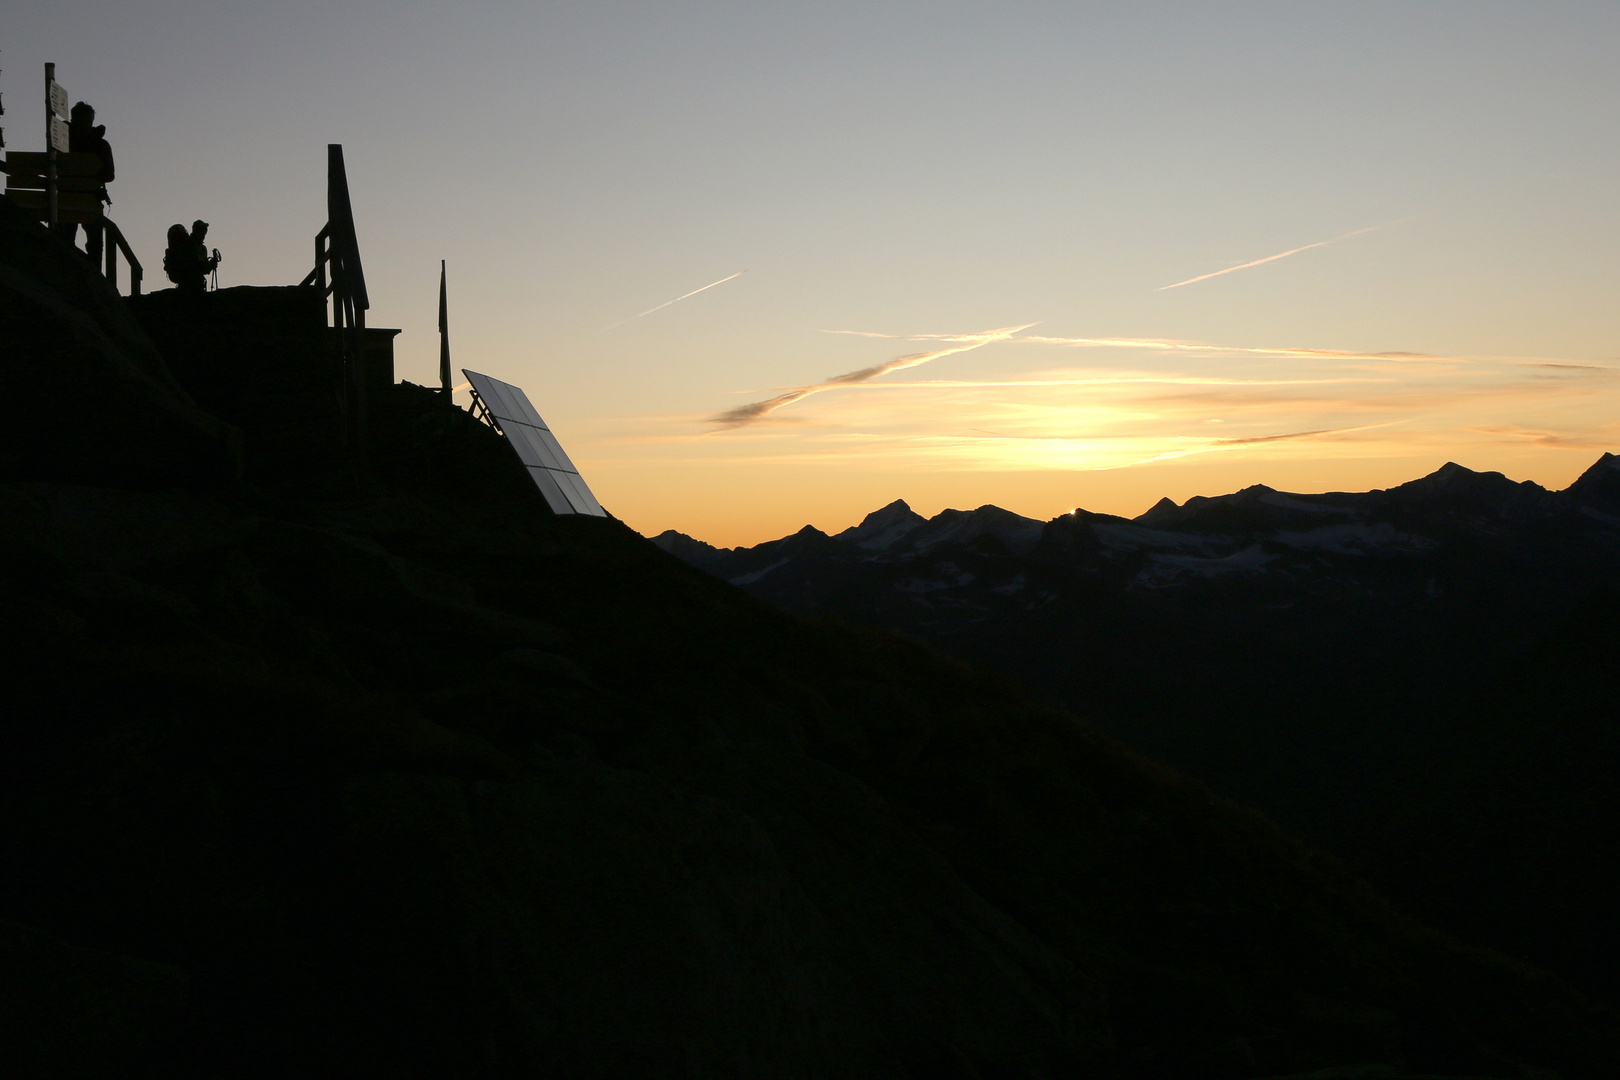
<point x="758" y="410"/>
<point x="1127" y="379"/>
<point x="1599" y="437"/>
<point x="1169" y="345"/>
<point x="1567" y="367"/>
<point x="1272" y="258"/>
<point x="1211" y="445"/>
<point x="1157" y="400"/>
<point x="677" y="300"/>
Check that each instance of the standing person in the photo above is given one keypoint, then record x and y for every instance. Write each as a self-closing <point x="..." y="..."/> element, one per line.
<point x="186" y="259"/>
<point x="199" y="244"/>
<point x="85" y="136"/>
<point x="180" y="261"/>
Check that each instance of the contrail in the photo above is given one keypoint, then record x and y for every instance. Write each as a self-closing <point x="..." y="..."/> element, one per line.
<point x="758" y="410"/>
<point x="677" y="300"/>
<point x="1271" y="258"/>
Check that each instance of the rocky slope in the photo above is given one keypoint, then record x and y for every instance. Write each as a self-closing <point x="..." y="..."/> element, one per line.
<point x="416" y="779"/>
<point x="1321" y="656"/>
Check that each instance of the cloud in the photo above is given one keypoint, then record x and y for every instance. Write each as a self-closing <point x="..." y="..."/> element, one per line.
<point x="1272" y="258"/>
<point x="1157" y="400"/>
<point x="1172" y="345"/>
<point x="1212" y="445"/>
<point x="1600" y="439"/>
<point x="1132" y="379"/>
<point x="753" y="412"/>
<point x="1568" y="367"/>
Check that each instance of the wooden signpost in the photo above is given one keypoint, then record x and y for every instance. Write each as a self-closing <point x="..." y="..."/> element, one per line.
<point x="53" y="93"/>
<point x="61" y="187"/>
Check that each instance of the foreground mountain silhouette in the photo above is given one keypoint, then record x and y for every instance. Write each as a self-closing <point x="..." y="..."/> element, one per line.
<point x="415" y="779"/>
<point x="1326" y="657"/>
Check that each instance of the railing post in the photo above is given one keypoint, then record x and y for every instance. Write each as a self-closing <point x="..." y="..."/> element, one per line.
<point x="320" y="262"/>
<point x="110" y="236"/>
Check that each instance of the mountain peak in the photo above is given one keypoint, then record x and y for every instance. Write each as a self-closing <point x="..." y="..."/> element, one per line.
<point x="1162" y="510"/>
<point x="1603" y="464"/>
<point x="881" y="528"/>
<point x="1599" y="486"/>
<point x="1020" y="534"/>
<point x="1450" y="470"/>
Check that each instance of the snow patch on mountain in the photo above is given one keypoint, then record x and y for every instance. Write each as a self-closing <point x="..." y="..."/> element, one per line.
<point x="880" y="529"/>
<point x="1119" y="535"/>
<point x="749" y="579"/>
<point x="1355" y="538"/>
<point x="1165" y="569"/>
<point x="1019" y="534"/>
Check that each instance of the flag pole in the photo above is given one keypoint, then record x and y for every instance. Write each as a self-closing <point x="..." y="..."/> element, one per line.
<point x="444" y="335"/>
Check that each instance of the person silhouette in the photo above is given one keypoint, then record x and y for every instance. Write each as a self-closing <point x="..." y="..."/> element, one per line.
<point x="186" y="260"/>
<point x="180" y="261"/>
<point x="199" y="243"/>
<point x="85" y="136"/>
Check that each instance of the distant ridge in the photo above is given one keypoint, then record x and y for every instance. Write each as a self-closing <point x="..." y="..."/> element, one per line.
<point x="896" y="526"/>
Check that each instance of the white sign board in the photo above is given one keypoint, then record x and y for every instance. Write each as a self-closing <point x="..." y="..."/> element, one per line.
<point x="59" y="100"/>
<point x="59" y="136"/>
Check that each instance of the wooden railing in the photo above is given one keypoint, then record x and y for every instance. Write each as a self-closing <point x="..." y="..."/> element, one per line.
<point x="78" y="197"/>
<point x="339" y="275"/>
<point x="338" y="250"/>
<point x="113" y="242"/>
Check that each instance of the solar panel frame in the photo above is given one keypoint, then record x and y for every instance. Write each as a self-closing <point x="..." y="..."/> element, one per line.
<point x="548" y="464"/>
<point x="498" y="401"/>
<point x="591" y="505"/>
<point x="526" y="445"/>
<point x="529" y="416"/>
<point x="546" y="481"/>
<point x="556" y="449"/>
<point x="574" y="489"/>
<point x="543" y="447"/>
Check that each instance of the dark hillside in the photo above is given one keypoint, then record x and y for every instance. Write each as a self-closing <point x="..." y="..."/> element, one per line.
<point x="1390" y="674"/>
<point x="420" y="780"/>
<point x="1514" y="805"/>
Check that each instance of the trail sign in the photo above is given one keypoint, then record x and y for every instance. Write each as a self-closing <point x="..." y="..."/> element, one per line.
<point x="59" y="100"/>
<point x="56" y="141"/>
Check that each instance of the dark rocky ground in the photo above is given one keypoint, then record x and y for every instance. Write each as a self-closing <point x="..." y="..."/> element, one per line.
<point x="409" y="777"/>
<point x="1418" y="679"/>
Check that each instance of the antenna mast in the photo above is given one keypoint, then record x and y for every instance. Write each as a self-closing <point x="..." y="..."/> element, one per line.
<point x="444" y="335"/>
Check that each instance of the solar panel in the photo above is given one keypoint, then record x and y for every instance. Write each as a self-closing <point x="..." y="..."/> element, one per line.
<point x="511" y="414"/>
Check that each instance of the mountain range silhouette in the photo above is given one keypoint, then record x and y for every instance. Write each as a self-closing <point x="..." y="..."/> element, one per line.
<point x="308" y="772"/>
<point x="1325" y="657"/>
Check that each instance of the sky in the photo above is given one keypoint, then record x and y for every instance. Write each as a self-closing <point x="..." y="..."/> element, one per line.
<point x="1042" y="255"/>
